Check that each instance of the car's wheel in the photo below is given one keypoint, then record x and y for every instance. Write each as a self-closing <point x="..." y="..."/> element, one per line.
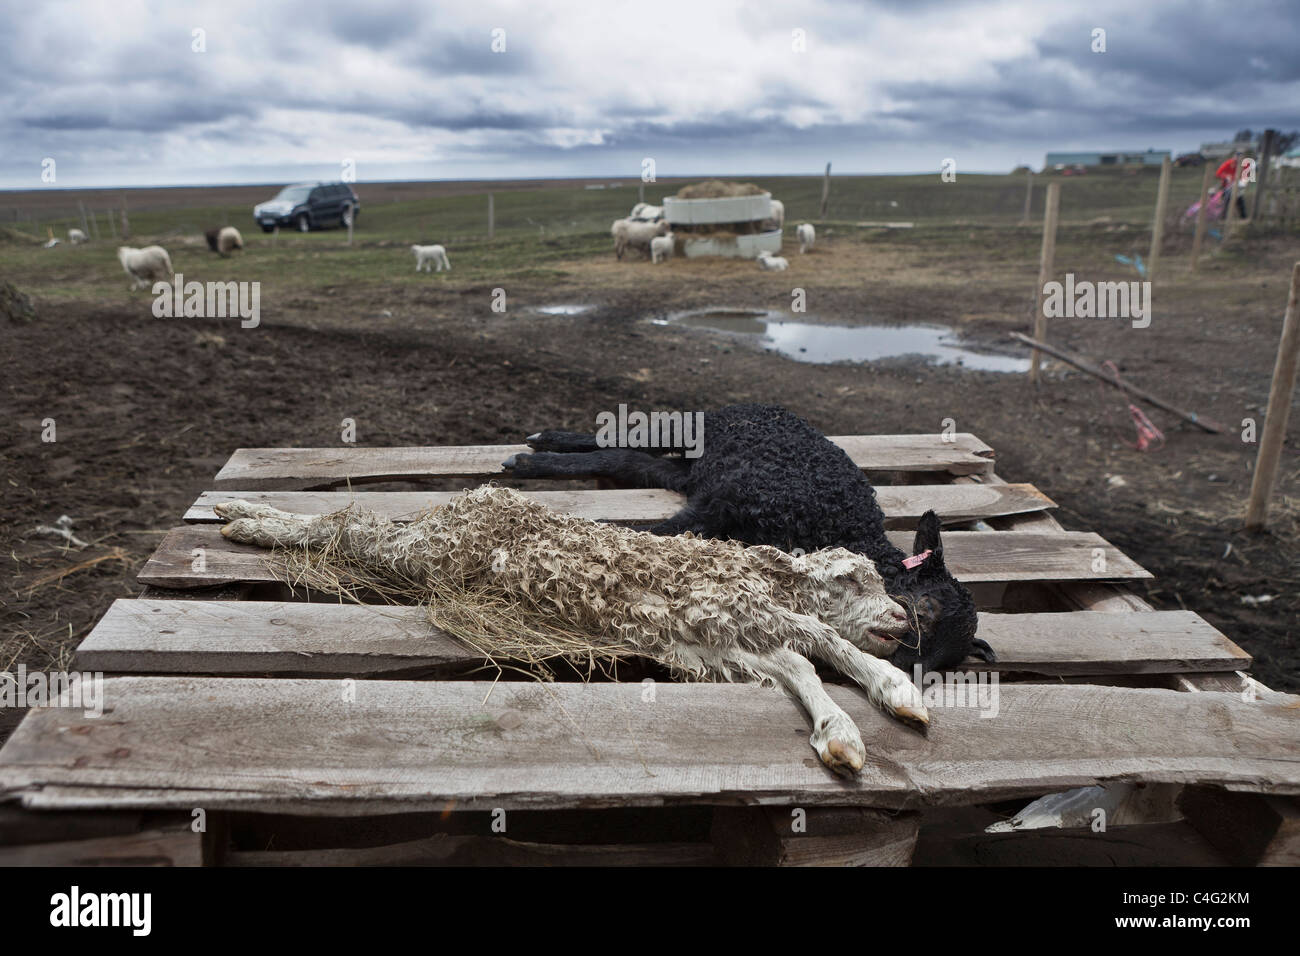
<point x="303" y="223"/>
<point x="268" y="228"/>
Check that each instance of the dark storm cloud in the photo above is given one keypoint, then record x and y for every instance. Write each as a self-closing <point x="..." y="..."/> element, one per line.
<point x="1005" y="79"/>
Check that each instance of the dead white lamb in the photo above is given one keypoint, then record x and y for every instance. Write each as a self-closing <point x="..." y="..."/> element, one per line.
<point x="143" y="265"/>
<point x="771" y="263"/>
<point x="426" y="256"/>
<point x="708" y="609"/>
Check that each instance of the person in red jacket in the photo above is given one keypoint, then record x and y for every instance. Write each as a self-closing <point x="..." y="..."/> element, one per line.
<point x="1226" y="172"/>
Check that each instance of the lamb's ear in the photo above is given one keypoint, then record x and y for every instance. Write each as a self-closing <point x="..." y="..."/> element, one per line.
<point x="927" y="538"/>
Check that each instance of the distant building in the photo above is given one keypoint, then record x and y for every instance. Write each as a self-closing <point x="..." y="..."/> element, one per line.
<point x="1150" y="157"/>
<point x="1224" y="150"/>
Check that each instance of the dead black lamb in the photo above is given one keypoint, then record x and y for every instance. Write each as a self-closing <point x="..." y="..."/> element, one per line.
<point x="766" y="476"/>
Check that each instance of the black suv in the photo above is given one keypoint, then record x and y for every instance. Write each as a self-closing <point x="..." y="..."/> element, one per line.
<point x="307" y="206"/>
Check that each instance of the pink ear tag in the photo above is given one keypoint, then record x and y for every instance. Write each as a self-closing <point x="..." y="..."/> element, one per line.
<point x="916" y="559"/>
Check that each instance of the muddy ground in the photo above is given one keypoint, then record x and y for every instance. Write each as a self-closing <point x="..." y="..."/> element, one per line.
<point x="147" y="410"/>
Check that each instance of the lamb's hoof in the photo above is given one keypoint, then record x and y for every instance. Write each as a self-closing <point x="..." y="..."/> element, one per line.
<point x="838" y="743"/>
<point x="526" y="466"/>
<point x="242" y="530"/>
<point x="914" y="715"/>
<point x="242" y="509"/>
<point x="843" y="758"/>
<point x="904" y="701"/>
<point x="532" y="438"/>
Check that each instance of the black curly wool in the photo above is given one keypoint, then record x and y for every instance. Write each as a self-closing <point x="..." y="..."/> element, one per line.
<point x="766" y="476"/>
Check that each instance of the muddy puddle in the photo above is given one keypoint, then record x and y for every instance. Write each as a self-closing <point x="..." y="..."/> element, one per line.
<point x="821" y="344"/>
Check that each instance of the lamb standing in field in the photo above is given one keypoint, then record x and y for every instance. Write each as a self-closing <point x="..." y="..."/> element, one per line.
<point x="661" y="247"/>
<point x="143" y="265"/>
<point x="770" y="263"/>
<point x="76" y="236"/>
<point x="427" y="255"/>
<point x="707" y="609"/>
<point x="768" y="477"/>
<point x="629" y="234"/>
<point x="224" y="240"/>
<point x="807" y="235"/>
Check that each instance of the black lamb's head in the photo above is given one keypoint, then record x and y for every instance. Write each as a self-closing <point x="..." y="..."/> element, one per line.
<point x="942" y="610"/>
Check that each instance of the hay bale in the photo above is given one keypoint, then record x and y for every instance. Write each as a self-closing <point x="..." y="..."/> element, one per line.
<point x="15" y="305"/>
<point x="718" y="189"/>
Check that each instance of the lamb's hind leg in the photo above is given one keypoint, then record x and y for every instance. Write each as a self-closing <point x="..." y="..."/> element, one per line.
<point x="632" y="467"/>
<point x="367" y="538"/>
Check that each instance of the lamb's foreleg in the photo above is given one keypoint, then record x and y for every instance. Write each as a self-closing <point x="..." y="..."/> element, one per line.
<point x="886" y="685"/>
<point x="835" y="737"/>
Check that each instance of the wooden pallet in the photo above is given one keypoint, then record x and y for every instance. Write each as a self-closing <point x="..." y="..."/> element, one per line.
<point x="302" y="731"/>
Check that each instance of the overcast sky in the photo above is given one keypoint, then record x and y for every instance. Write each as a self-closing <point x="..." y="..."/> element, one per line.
<point x="115" y="93"/>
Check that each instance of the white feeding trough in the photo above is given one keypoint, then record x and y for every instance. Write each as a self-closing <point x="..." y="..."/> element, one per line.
<point x="722" y="225"/>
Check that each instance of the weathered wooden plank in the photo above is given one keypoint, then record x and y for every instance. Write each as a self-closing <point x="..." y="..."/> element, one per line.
<point x="342" y="640"/>
<point x="198" y="556"/>
<point x="445" y="849"/>
<point x="814" y="836"/>
<point x="173" y="846"/>
<point x="902" y="504"/>
<point x="315" y="747"/>
<point x="308" y="468"/>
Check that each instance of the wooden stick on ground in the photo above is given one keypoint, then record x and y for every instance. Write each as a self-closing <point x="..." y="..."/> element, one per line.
<point x="1279" y="409"/>
<point x="1198" y="420"/>
<point x="1050" y="211"/>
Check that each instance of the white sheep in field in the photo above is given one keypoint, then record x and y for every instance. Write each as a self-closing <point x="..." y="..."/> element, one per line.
<point x="661" y="247"/>
<point x="427" y="256"/>
<point x="807" y="235"/>
<point x="581" y="590"/>
<point x="142" y="265"/>
<point x="76" y="236"/>
<point x="637" y="235"/>
<point x="644" y="212"/>
<point x="770" y="263"/>
<point x="778" y="213"/>
<point x="224" y="240"/>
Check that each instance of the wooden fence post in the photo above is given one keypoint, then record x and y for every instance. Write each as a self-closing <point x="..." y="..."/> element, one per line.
<point x="126" y="223"/>
<point x="1044" y="273"/>
<point x="1202" y="214"/>
<point x="1279" y="409"/>
<point x="1232" y="193"/>
<point x="1158" y="227"/>
<point x="347" y="212"/>
<point x="826" y="191"/>
<point x="492" y="218"/>
<point x="1261" y="173"/>
<point x="112" y="223"/>
<point x="640" y="192"/>
<point x="94" y="224"/>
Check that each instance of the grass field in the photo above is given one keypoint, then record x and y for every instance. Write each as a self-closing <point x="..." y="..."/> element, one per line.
<point x="539" y="230"/>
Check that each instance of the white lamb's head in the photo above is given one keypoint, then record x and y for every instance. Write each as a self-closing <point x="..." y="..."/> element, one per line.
<point x="851" y="597"/>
